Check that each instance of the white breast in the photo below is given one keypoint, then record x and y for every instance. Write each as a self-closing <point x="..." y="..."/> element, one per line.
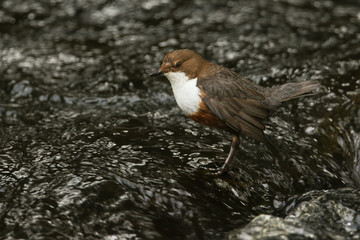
<point x="187" y="94"/>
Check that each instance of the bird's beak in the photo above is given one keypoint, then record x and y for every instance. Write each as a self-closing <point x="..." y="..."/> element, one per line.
<point x="157" y="74"/>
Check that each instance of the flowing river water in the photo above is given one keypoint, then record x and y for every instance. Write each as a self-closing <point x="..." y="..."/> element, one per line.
<point x="92" y="148"/>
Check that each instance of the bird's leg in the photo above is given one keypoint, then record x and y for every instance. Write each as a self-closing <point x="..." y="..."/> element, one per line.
<point x="234" y="147"/>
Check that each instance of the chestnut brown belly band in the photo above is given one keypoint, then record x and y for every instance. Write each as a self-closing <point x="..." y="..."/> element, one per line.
<point x="206" y="117"/>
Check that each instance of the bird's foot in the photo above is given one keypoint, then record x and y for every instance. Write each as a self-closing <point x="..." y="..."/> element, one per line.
<point x="216" y="172"/>
<point x="219" y="171"/>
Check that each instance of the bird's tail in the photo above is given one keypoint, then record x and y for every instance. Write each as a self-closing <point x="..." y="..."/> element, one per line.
<point x="288" y="91"/>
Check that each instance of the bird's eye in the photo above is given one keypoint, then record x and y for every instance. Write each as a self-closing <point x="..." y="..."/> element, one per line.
<point x="178" y="64"/>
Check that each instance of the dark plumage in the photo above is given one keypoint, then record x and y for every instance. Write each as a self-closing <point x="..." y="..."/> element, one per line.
<point x="244" y="105"/>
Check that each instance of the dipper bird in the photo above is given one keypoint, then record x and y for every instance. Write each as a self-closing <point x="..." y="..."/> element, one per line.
<point x="215" y="96"/>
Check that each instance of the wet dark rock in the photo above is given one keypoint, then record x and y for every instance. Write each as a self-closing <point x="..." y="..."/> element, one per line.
<point x="21" y="89"/>
<point x="90" y="147"/>
<point x="329" y="214"/>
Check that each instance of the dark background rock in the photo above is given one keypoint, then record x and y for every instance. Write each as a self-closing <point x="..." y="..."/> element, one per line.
<point x="90" y="147"/>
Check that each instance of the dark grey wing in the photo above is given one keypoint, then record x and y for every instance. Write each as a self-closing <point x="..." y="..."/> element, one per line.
<point x="226" y="83"/>
<point x="237" y="102"/>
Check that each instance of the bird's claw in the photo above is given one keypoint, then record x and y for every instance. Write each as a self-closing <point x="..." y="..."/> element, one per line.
<point x="215" y="172"/>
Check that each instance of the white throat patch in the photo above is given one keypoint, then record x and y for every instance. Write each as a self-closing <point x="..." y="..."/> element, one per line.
<point x="187" y="94"/>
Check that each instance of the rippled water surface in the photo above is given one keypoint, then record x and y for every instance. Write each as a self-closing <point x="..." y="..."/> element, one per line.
<point x="91" y="148"/>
